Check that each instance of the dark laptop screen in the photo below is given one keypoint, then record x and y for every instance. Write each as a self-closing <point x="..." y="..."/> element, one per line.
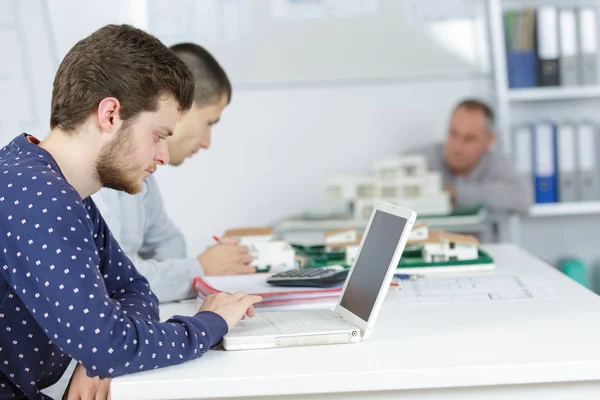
<point x="372" y="264"/>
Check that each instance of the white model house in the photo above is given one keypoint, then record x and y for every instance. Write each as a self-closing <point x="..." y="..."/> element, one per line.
<point x="441" y="246"/>
<point x="428" y="184"/>
<point x="364" y="207"/>
<point x="278" y="255"/>
<point x="347" y="240"/>
<point x="395" y="168"/>
<point x="352" y="250"/>
<point x="342" y="190"/>
<point x="419" y="231"/>
<point x="337" y="236"/>
<point x="404" y="181"/>
<point x="251" y="235"/>
<point x="267" y="252"/>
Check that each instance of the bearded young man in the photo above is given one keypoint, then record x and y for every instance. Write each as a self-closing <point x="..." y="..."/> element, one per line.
<point x="67" y="289"/>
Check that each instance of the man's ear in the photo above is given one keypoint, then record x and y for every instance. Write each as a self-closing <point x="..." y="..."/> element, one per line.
<point x="108" y="114"/>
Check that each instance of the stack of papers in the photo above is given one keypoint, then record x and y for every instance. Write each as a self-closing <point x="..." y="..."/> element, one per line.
<point x="272" y="295"/>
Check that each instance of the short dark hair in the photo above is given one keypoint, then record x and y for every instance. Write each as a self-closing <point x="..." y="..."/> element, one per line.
<point x="211" y="80"/>
<point x="478" y="105"/>
<point x="117" y="61"/>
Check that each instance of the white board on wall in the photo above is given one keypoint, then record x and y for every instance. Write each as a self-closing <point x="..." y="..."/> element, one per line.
<point x="266" y="43"/>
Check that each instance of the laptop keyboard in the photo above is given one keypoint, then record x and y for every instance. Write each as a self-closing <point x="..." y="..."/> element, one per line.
<point x="306" y="321"/>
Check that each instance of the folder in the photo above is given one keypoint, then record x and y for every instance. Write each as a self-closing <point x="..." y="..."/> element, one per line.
<point x="569" y="57"/>
<point x="568" y="189"/>
<point x="548" y="51"/>
<point x="520" y="48"/>
<point x="588" y="45"/>
<point x="523" y="151"/>
<point x="544" y="162"/>
<point x="588" y="178"/>
<point x="272" y="296"/>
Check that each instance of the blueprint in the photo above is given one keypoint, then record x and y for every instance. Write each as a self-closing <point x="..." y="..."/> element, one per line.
<point x="477" y="288"/>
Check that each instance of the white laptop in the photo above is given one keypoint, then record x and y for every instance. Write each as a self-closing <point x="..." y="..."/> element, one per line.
<point x="354" y="316"/>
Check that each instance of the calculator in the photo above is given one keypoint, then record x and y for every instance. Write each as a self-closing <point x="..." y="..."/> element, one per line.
<point x="310" y="277"/>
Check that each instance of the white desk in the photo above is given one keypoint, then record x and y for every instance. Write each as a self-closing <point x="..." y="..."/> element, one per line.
<point x="488" y="349"/>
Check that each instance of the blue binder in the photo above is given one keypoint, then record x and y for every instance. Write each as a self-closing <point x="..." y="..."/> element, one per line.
<point x="521" y="57"/>
<point x="522" y="68"/>
<point x="545" y="165"/>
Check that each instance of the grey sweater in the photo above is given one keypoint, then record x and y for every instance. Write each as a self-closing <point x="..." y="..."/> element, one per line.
<point x="148" y="236"/>
<point x="494" y="183"/>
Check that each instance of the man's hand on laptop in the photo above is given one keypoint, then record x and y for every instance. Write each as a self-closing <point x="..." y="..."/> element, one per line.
<point x="82" y="386"/>
<point x="232" y="307"/>
<point x="227" y="258"/>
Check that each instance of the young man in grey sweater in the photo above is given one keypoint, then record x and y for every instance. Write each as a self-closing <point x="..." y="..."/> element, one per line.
<point x="140" y="222"/>
<point x="471" y="171"/>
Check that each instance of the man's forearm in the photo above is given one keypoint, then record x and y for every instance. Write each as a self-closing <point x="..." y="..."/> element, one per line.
<point x="170" y="280"/>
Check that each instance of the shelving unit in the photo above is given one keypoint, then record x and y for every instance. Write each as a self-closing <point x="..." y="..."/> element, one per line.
<point x="565" y="209"/>
<point x="554" y="93"/>
<point x="507" y="98"/>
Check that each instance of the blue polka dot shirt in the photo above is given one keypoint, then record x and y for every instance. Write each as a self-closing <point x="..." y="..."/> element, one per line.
<point x="68" y="290"/>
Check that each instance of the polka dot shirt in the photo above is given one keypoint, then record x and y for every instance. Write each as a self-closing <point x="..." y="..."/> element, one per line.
<point x="68" y="290"/>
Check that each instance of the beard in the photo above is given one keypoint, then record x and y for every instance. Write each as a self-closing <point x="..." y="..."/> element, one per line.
<point x="115" y="168"/>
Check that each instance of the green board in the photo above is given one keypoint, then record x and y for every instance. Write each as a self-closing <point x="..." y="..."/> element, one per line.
<point x="316" y="256"/>
<point x="413" y="259"/>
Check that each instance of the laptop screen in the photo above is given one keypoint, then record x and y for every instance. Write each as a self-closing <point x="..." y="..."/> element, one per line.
<point x="372" y="264"/>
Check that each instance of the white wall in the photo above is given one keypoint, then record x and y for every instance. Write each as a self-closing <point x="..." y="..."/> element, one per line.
<point x="25" y="76"/>
<point x="74" y="20"/>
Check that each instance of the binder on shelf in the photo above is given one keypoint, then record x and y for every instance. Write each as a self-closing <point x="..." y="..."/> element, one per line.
<point x="548" y="50"/>
<point x="588" y="45"/>
<point x="588" y="175"/>
<point x="520" y="48"/>
<point x="569" y="57"/>
<point x="523" y="151"/>
<point x="568" y="188"/>
<point x="545" y="163"/>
